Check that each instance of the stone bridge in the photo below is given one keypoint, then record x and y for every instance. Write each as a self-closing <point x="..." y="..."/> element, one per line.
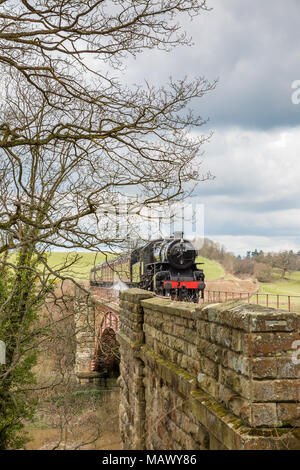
<point x="222" y="376"/>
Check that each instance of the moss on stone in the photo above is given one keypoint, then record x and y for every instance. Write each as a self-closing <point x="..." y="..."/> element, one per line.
<point x="135" y="295"/>
<point x="177" y="374"/>
<point x="181" y="309"/>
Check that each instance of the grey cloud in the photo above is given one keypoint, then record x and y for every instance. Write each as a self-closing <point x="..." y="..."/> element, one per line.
<point x="256" y="191"/>
<point x="246" y="223"/>
<point x="253" y="48"/>
<point x="240" y="245"/>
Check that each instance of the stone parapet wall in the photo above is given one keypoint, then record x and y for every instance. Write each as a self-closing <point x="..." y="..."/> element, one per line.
<point x="245" y="356"/>
<point x="218" y="377"/>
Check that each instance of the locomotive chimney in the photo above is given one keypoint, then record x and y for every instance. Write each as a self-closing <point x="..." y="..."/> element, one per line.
<point x="178" y="235"/>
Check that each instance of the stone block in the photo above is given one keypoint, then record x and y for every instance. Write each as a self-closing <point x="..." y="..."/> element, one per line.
<point x="269" y="344"/>
<point x="237" y="362"/>
<point x="249" y="388"/>
<point x="263" y="414"/>
<point x="209" y="367"/>
<point x="263" y="367"/>
<point x="286" y="368"/>
<point x="283" y="390"/>
<point x="288" y="414"/>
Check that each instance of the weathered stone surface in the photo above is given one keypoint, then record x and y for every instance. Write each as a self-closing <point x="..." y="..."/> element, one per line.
<point x="288" y="414"/>
<point x="264" y="367"/>
<point x="269" y="344"/>
<point x="214" y="377"/>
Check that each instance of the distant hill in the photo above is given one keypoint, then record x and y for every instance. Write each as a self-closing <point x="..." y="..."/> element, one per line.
<point x="84" y="261"/>
<point x="81" y="269"/>
<point x="212" y="269"/>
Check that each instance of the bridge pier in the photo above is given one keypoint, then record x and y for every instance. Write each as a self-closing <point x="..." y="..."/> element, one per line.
<point x="85" y="336"/>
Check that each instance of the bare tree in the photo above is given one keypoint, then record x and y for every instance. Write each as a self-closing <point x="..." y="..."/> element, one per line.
<point x="285" y="260"/>
<point x="50" y="45"/>
<point x="51" y="187"/>
<point x="72" y="137"/>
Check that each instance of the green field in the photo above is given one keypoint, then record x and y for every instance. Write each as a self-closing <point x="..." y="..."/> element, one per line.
<point x="86" y="260"/>
<point x="83" y="261"/>
<point x="289" y="286"/>
<point x="80" y="262"/>
<point x="212" y="269"/>
<point x="73" y="264"/>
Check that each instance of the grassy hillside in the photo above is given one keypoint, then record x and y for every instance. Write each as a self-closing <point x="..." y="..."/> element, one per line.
<point x="290" y="285"/>
<point x="212" y="269"/>
<point x="77" y="264"/>
<point x="86" y="260"/>
<point x="82" y="261"/>
<point x="284" y="286"/>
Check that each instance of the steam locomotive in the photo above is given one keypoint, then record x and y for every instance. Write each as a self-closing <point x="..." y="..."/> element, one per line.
<point x="165" y="266"/>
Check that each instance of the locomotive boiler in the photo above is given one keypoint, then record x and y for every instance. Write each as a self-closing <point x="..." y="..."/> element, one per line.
<point x="167" y="267"/>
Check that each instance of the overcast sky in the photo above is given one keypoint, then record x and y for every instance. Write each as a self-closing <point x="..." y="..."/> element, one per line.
<point x="253" y="48"/>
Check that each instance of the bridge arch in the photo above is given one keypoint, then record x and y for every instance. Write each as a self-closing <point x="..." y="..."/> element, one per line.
<point x="106" y="358"/>
<point x="96" y="324"/>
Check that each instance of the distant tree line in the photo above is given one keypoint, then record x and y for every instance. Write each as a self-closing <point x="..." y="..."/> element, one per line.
<point x="255" y="263"/>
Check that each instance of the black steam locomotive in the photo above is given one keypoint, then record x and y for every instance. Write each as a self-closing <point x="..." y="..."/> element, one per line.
<point x="165" y="266"/>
